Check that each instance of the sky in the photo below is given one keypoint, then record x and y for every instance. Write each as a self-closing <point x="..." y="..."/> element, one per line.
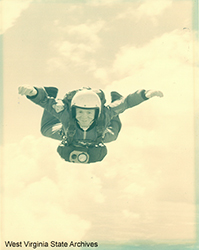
<point x="144" y="190"/>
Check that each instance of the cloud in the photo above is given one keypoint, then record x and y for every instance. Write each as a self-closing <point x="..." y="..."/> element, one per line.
<point x="11" y="10"/>
<point x="103" y="2"/>
<point x="134" y="189"/>
<point x="51" y="198"/>
<point x="101" y="74"/>
<point x="37" y="210"/>
<point x="129" y="214"/>
<point x="163" y="53"/>
<point x="165" y="63"/>
<point x="153" y="8"/>
<point x="83" y="41"/>
<point x="146" y="9"/>
<point x="74" y="52"/>
<point x="43" y="193"/>
<point x="87" y="32"/>
<point x="158" y="127"/>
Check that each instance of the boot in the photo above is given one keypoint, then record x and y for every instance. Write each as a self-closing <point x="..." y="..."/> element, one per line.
<point x="51" y="91"/>
<point x="115" y="96"/>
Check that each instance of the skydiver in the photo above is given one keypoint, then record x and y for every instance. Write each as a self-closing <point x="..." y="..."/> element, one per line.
<point x="81" y="120"/>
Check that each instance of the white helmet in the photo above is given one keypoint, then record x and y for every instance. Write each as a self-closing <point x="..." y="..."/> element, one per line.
<point x="86" y="98"/>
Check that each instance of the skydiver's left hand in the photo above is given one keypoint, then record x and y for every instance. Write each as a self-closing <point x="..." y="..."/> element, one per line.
<point x="152" y="93"/>
<point x="27" y="90"/>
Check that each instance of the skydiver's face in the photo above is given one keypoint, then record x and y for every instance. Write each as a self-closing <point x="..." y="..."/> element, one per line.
<point x="85" y="117"/>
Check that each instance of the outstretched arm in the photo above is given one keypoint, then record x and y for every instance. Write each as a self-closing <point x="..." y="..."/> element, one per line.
<point x="39" y="96"/>
<point x="50" y="125"/>
<point x="119" y="106"/>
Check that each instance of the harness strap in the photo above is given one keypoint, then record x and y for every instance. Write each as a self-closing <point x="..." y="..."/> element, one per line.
<point x="100" y="123"/>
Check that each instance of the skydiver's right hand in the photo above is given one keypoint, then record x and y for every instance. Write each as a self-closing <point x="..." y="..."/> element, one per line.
<point x="27" y="90"/>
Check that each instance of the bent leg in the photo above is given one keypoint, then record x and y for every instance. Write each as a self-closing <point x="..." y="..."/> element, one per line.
<point x="112" y="131"/>
<point x="51" y="126"/>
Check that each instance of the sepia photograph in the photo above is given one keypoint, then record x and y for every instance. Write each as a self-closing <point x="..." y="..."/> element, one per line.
<point x="99" y="124"/>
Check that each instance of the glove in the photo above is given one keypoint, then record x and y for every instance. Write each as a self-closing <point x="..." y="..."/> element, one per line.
<point x="27" y="90"/>
<point x="152" y="93"/>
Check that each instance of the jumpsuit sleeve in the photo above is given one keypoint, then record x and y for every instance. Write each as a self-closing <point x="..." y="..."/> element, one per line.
<point x="46" y="102"/>
<point x="119" y="106"/>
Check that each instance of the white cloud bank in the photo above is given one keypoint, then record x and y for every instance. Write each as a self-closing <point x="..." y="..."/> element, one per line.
<point x="165" y="53"/>
<point x="82" y="41"/>
<point x="41" y="191"/>
<point x="146" y="9"/>
<point x="135" y="186"/>
<point x="78" y="48"/>
<point x="10" y="11"/>
<point x="153" y="8"/>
